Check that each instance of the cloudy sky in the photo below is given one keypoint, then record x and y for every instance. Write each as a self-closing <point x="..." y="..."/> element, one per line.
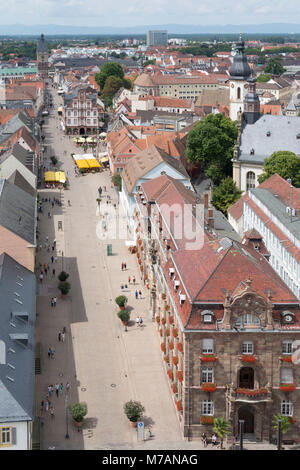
<point x="148" y="12"/>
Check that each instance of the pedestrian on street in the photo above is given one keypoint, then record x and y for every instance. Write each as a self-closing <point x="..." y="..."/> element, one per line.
<point x="133" y="280"/>
<point x="47" y="405"/>
<point x="49" y="353"/>
<point x="59" y="336"/>
<point x="122" y="266"/>
<point x="140" y="294"/>
<point x="52" y="411"/>
<point x="54" y="301"/>
<point x="45" y="271"/>
<point x="53" y="247"/>
<point x="137" y="321"/>
<point x="42" y="406"/>
<point x="52" y="259"/>
<point x="50" y="390"/>
<point x="136" y="294"/>
<point x="54" y="242"/>
<point x="48" y="267"/>
<point x="63" y="337"/>
<point x="125" y="265"/>
<point x="129" y="279"/>
<point x="61" y="388"/>
<point x="52" y="304"/>
<point x="53" y="272"/>
<point x="55" y="259"/>
<point x="41" y="278"/>
<point x="52" y="353"/>
<point x="67" y="387"/>
<point x="49" y="215"/>
<point x="141" y="322"/>
<point x="56" y="389"/>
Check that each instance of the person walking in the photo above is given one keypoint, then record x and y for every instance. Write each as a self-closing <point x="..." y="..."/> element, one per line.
<point x="54" y="301"/>
<point x="42" y="406"/>
<point x="53" y="272"/>
<point x="53" y="247"/>
<point x="61" y="388"/>
<point x="125" y="266"/>
<point x="59" y="336"/>
<point x="52" y="411"/>
<point x="129" y="279"/>
<point x="141" y="322"/>
<point x="140" y="294"/>
<point x="133" y="280"/>
<point x="136" y="294"/>
<point x="63" y="337"/>
<point x="52" y="353"/>
<point x="41" y="278"/>
<point x="55" y="259"/>
<point x="52" y="259"/>
<point x="49" y="353"/>
<point x="122" y="266"/>
<point x="137" y="321"/>
<point x="49" y="215"/>
<point x="49" y="390"/>
<point x="67" y="387"/>
<point x="56" y="389"/>
<point x="47" y="405"/>
<point x="204" y="439"/>
<point x="54" y="242"/>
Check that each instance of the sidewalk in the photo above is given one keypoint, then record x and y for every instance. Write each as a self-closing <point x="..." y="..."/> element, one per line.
<point x="105" y="365"/>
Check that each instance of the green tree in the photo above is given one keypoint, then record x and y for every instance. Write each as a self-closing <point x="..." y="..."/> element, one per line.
<point x="274" y="67"/>
<point x="264" y="77"/>
<point x="285" y="422"/>
<point x="221" y="428"/>
<point x="107" y="70"/>
<point x="286" y="164"/>
<point x="112" y="85"/>
<point x="149" y="62"/>
<point x="210" y="143"/>
<point x="225" y="195"/>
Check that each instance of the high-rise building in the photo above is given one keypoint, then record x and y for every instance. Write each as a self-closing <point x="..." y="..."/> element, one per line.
<point x="157" y="38"/>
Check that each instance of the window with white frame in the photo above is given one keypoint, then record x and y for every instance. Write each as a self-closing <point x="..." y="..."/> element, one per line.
<point x="286" y="375"/>
<point x="208" y="407"/>
<point x="207" y="375"/>
<point x="207" y="346"/>
<point x="287" y="347"/>
<point x="286" y="408"/>
<point x="247" y="347"/>
<point x="5" y="436"/>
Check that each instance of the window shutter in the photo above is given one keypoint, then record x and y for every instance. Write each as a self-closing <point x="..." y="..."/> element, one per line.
<point x="208" y="344"/>
<point x="14" y="436"/>
<point x="286" y="375"/>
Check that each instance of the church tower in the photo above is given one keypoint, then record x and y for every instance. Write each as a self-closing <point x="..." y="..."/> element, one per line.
<point x="42" y="57"/>
<point x="239" y="73"/>
<point x="251" y="103"/>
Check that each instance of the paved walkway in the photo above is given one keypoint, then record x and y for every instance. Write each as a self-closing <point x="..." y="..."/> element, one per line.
<point x="105" y="365"/>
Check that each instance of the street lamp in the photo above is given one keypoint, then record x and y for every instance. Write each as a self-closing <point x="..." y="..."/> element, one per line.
<point x="279" y="422"/>
<point x="62" y="260"/>
<point x="241" y="423"/>
<point x="67" y="418"/>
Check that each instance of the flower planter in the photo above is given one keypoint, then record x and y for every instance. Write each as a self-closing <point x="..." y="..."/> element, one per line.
<point x="286" y="358"/>
<point x="63" y="296"/>
<point x="251" y="393"/>
<point x="208" y="358"/>
<point x="163" y="347"/>
<point x="157" y="319"/>
<point x="78" y="424"/>
<point x="133" y="424"/>
<point x="179" y="346"/>
<point x="160" y="331"/>
<point x="174" y="332"/>
<point x="209" y="387"/>
<point x="175" y="360"/>
<point x="171" y="345"/>
<point x="287" y="387"/>
<point x="248" y="358"/>
<point x="207" y="419"/>
<point x="179" y="405"/>
<point x="292" y="420"/>
<point x="167" y="307"/>
<point x="163" y="321"/>
<point x="174" y="388"/>
<point x="167" y="332"/>
<point x="141" y="268"/>
<point x="171" y="319"/>
<point x="170" y="374"/>
<point x="180" y="375"/>
<point x="163" y="296"/>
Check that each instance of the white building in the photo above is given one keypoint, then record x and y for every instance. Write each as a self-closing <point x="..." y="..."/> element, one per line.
<point x="273" y="209"/>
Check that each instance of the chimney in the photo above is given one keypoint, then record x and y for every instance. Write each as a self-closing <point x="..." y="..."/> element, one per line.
<point x="205" y="200"/>
<point x="211" y="218"/>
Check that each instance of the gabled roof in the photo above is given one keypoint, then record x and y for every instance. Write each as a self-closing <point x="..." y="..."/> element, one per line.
<point x="17" y="211"/>
<point x="145" y="161"/>
<point x="17" y="374"/>
<point x="18" y="180"/>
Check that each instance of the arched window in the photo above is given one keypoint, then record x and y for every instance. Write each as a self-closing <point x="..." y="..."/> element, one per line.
<point x="238" y="91"/>
<point x="250" y="180"/>
<point x="248" y="320"/>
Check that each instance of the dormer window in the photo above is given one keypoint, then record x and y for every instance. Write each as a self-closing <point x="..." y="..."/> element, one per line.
<point x="171" y="271"/>
<point x="268" y="134"/>
<point x="252" y="152"/>
<point x="207" y="316"/>
<point x="288" y="317"/>
<point x="298" y="136"/>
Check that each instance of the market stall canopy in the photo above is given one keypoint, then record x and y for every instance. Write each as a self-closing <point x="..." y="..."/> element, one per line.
<point x="103" y="134"/>
<point x="104" y="159"/>
<point x="91" y="139"/>
<point x="49" y="176"/>
<point x="93" y="163"/>
<point x="79" y="140"/>
<point x="82" y="164"/>
<point x="60" y="110"/>
<point x="60" y="176"/>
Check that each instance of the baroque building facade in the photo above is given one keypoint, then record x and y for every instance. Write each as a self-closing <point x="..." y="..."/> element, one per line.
<point x="80" y="113"/>
<point x="226" y="322"/>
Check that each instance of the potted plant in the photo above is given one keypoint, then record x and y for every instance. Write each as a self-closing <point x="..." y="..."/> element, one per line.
<point x="248" y="358"/>
<point x="207" y="419"/>
<point x="221" y="428"/>
<point x="180" y="375"/>
<point x="287" y="387"/>
<point x="64" y="288"/>
<point x="179" y="346"/>
<point x="209" y="387"/>
<point x="53" y="160"/>
<point x="134" y="410"/>
<point x="63" y="276"/>
<point x="208" y="358"/>
<point x="121" y="301"/>
<point x="98" y="201"/>
<point x="163" y="347"/>
<point x="285" y="422"/>
<point x="179" y="405"/>
<point x="124" y="316"/>
<point x="78" y="412"/>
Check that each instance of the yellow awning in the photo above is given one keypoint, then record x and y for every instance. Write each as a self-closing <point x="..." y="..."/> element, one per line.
<point x="93" y="163"/>
<point x="60" y="110"/>
<point x="79" y="140"/>
<point x="91" y="139"/>
<point x="60" y="176"/>
<point x="49" y="176"/>
<point x="104" y="159"/>
<point x="82" y="164"/>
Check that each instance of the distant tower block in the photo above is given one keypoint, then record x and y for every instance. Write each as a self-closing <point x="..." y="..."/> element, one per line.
<point x="42" y="57"/>
<point x="239" y="73"/>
